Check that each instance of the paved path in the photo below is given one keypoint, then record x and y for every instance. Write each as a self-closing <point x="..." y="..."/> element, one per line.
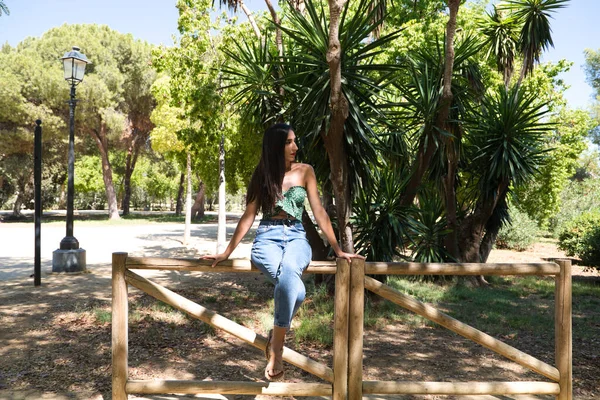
<point x="17" y="244"/>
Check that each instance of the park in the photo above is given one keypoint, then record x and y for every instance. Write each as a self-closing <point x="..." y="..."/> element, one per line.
<point x="439" y="147"/>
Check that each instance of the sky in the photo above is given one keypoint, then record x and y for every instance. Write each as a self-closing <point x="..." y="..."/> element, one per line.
<point x="575" y="28"/>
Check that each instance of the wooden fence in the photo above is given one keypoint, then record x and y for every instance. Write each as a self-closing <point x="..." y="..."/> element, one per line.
<point x="345" y="380"/>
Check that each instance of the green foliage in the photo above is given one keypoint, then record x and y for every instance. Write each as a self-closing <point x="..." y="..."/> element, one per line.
<point x="536" y="34"/>
<point x="519" y="233"/>
<point x="380" y="222"/>
<point x="4" y="9"/>
<point x="508" y="138"/>
<point x="501" y="36"/>
<point x="592" y="68"/>
<point x="576" y="198"/>
<point x="194" y="105"/>
<point x="89" y="185"/>
<point x="581" y="238"/>
<point x="113" y="100"/>
<point x="429" y="230"/>
<point x="541" y="199"/>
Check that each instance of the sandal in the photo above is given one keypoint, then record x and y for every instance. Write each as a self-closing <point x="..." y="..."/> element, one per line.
<point x="268" y="346"/>
<point x="268" y="376"/>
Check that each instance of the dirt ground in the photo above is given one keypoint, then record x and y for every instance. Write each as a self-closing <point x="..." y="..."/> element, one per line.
<point x="54" y="346"/>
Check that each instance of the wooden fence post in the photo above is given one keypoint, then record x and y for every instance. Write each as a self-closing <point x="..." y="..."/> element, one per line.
<point x="355" y="329"/>
<point x="340" y="331"/>
<point x="563" y="330"/>
<point x="120" y="313"/>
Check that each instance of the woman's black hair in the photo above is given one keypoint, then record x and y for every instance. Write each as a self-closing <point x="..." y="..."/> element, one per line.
<point x="267" y="179"/>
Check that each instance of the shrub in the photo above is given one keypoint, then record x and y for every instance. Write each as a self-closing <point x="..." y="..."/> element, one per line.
<point x="581" y="238"/>
<point x="576" y="198"/>
<point x="519" y="234"/>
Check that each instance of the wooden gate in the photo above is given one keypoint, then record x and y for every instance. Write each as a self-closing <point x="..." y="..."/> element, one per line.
<point x="345" y="380"/>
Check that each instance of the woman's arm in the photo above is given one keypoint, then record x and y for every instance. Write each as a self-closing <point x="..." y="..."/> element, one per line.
<point x="321" y="215"/>
<point x="241" y="229"/>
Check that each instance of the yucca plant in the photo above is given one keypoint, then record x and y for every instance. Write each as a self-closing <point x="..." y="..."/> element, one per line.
<point x="501" y="33"/>
<point x="252" y="72"/>
<point x="307" y="80"/>
<point x="508" y="137"/>
<point x="505" y="145"/>
<point x="428" y="231"/>
<point x="381" y="224"/>
<point x="536" y="34"/>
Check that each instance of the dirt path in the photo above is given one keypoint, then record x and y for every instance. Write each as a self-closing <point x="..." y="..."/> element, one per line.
<point x="54" y="343"/>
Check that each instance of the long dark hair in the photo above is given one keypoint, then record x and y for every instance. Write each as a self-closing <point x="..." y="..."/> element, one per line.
<point x="267" y="179"/>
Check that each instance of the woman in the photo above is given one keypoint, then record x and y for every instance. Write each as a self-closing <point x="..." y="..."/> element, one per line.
<point x="278" y="188"/>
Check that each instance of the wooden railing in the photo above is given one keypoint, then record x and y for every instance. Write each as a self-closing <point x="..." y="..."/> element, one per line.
<point x="345" y="380"/>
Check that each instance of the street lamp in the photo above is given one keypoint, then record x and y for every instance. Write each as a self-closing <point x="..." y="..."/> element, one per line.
<point x="70" y="257"/>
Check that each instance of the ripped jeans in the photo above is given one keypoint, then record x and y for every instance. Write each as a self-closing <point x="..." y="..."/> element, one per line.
<point x="281" y="252"/>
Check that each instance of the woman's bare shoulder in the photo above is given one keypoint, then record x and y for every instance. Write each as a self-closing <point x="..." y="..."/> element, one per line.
<point x="303" y="167"/>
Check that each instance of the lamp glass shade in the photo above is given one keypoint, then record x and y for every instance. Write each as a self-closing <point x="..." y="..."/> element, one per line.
<point x="74" y="65"/>
<point x="78" y="69"/>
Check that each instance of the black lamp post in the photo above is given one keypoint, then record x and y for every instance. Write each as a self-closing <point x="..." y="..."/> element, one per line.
<point x="70" y="257"/>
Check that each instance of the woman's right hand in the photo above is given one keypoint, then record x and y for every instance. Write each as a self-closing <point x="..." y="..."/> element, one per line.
<point x="217" y="257"/>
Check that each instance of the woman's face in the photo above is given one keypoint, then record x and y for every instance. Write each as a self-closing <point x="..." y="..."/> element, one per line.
<point x="291" y="148"/>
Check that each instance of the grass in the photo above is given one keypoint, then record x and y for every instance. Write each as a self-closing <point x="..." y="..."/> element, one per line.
<point x="509" y="307"/>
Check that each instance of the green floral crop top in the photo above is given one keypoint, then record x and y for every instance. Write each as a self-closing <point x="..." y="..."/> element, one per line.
<point x="292" y="203"/>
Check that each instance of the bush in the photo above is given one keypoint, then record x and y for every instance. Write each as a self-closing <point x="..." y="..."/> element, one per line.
<point x="576" y="199"/>
<point x="519" y="234"/>
<point x="581" y="238"/>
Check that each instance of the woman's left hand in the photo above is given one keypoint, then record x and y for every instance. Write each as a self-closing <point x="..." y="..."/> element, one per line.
<point x="349" y="256"/>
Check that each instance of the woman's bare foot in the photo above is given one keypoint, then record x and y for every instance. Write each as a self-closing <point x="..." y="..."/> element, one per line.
<point x="274" y="370"/>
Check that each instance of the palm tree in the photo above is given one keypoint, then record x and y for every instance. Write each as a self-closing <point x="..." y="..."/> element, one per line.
<point x="3" y="8"/>
<point x="536" y="34"/>
<point x="501" y="35"/>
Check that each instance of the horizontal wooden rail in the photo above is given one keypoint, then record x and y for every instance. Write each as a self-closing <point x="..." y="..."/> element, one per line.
<point x="372" y="268"/>
<point x="460" y="388"/>
<point x="210" y="317"/>
<point x="186" y="264"/>
<point x="228" y="387"/>
<point x="379" y="268"/>
<point x="462" y="329"/>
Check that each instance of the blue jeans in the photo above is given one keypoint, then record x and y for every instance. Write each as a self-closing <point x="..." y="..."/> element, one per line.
<point x="281" y="252"/>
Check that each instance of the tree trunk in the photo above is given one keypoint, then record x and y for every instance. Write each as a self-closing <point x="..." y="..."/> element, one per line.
<point x="472" y="230"/>
<point x="188" y="201"/>
<point x="198" y="207"/>
<point x="328" y="204"/>
<point x="487" y="244"/>
<point x="251" y="19"/>
<point x="320" y="251"/>
<point x="334" y="139"/>
<point x="111" y="196"/>
<point x="17" y="204"/>
<point x="427" y="147"/>
<point x="451" y="143"/>
<point x="300" y="5"/>
<point x="278" y="37"/>
<point x="133" y="151"/>
<point x="523" y="69"/>
<point x="492" y="227"/>
<point x="179" y="206"/>
<point x="221" y="227"/>
<point x="425" y="153"/>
